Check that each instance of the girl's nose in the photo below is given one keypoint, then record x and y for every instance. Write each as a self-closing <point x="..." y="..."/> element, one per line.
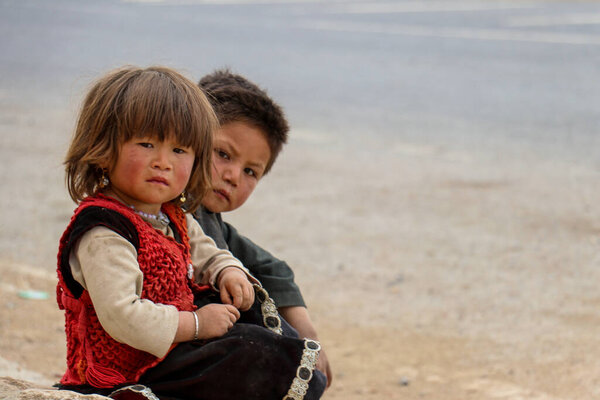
<point x="161" y="159"/>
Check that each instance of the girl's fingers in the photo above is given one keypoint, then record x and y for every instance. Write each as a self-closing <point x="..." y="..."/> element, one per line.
<point x="237" y="314"/>
<point x="234" y="312"/>
<point x="238" y="296"/>
<point x="248" y="297"/>
<point x="225" y="296"/>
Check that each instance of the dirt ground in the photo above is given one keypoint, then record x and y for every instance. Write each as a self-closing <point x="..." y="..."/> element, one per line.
<point x="430" y="273"/>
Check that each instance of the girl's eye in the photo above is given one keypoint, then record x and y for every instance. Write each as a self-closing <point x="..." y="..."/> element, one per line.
<point x="250" y="172"/>
<point x="146" y="145"/>
<point x="179" y="151"/>
<point x="222" y="154"/>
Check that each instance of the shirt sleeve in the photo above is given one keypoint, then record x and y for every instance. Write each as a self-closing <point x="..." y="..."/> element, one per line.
<point x="208" y="260"/>
<point x="275" y="275"/>
<point x="105" y="264"/>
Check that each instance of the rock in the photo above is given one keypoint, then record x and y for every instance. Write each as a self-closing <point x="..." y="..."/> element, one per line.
<point x="16" y="389"/>
<point x="404" y="381"/>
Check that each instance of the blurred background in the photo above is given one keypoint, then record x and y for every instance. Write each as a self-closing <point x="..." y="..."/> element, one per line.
<point x="438" y="192"/>
<point x="388" y="78"/>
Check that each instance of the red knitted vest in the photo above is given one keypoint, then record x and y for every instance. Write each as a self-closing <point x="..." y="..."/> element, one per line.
<point x="93" y="357"/>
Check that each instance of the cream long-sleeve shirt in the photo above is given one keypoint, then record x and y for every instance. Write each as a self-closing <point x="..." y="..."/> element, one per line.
<point x="105" y="264"/>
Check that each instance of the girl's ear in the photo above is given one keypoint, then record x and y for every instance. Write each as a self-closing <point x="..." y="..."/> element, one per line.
<point x="103" y="164"/>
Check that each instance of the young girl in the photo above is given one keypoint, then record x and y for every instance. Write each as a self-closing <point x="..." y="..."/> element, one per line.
<point x="131" y="263"/>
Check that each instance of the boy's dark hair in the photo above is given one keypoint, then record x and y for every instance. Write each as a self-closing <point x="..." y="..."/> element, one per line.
<point x="235" y="98"/>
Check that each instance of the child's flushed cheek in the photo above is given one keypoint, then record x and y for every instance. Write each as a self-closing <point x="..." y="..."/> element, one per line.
<point x="183" y="175"/>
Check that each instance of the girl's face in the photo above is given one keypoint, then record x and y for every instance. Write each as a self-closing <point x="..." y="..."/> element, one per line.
<point x="149" y="172"/>
<point x="241" y="154"/>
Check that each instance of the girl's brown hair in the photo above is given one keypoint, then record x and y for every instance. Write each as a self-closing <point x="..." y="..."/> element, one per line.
<point x="133" y="102"/>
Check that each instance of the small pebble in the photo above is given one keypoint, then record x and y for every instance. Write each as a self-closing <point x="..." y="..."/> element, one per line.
<point x="404" y="381"/>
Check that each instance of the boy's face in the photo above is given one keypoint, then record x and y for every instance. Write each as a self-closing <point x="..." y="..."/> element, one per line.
<point x="241" y="154"/>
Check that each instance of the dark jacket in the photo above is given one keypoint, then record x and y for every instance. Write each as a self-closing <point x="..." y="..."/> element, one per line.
<point x="274" y="274"/>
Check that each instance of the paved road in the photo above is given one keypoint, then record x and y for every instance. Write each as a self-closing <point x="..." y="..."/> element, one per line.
<point x="464" y="73"/>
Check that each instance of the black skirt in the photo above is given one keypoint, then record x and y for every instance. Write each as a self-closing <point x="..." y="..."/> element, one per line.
<point x="249" y="362"/>
<point x="260" y="358"/>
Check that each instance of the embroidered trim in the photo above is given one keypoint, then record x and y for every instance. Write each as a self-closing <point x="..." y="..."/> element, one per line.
<point x="304" y="373"/>
<point x="133" y="392"/>
<point x="269" y="310"/>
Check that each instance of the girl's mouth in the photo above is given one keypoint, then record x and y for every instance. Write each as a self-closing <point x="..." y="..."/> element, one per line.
<point x="159" y="180"/>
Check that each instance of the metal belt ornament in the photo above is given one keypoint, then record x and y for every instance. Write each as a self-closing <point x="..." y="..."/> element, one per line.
<point x="304" y="373"/>
<point x="310" y="353"/>
<point x="268" y="309"/>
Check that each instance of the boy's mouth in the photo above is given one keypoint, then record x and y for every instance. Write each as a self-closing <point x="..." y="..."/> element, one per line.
<point x="222" y="194"/>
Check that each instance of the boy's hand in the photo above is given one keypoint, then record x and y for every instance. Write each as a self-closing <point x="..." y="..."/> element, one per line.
<point x="235" y="288"/>
<point x="215" y="320"/>
<point x="323" y="366"/>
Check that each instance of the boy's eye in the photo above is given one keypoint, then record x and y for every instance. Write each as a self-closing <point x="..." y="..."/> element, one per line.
<point x="250" y="172"/>
<point x="146" y="145"/>
<point x="179" y="150"/>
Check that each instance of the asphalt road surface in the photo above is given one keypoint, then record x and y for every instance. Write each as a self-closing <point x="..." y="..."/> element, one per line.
<point x="456" y="73"/>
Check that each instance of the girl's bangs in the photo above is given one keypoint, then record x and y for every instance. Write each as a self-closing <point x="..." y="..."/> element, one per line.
<point x="158" y="108"/>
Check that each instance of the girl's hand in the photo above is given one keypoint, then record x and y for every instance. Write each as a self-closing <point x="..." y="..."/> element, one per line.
<point x="235" y="288"/>
<point x="215" y="320"/>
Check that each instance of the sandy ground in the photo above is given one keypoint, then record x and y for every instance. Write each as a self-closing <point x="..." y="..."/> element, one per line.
<point x="431" y="273"/>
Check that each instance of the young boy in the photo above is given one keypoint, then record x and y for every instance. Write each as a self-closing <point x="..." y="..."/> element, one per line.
<point x="252" y="133"/>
